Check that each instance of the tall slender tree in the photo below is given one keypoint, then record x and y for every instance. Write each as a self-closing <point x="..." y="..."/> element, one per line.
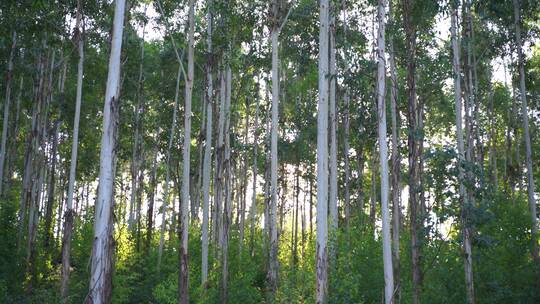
<point x="100" y="287"/>
<point x="207" y="146"/>
<point x="414" y="117"/>
<point x="396" y="160"/>
<point x="461" y="156"/>
<point x="183" y="280"/>
<point x="383" y="155"/>
<point x="274" y="38"/>
<point x="322" y="157"/>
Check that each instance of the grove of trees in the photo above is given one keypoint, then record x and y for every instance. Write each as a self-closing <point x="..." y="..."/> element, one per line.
<point x="269" y="151"/>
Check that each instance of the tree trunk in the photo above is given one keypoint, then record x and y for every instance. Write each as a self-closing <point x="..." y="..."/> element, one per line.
<point x="361" y="162"/>
<point x="207" y="148"/>
<point x="383" y="157"/>
<point x="333" y="192"/>
<point x="346" y="162"/>
<point x="527" y="137"/>
<point x="295" y="219"/>
<point x="243" y="187"/>
<point x="7" y="103"/>
<point x="50" y="189"/>
<point x="494" y="176"/>
<point x="414" y="145"/>
<point x="396" y="160"/>
<point x="139" y="197"/>
<point x="461" y="158"/>
<point x="151" y="201"/>
<point x="373" y="194"/>
<point x="100" y="289"/>
<point x="322" y="158"/>
<point x="31" y="150"/>
<point x="226" y="187"/>
<point x="273" y="265"/>
<point x="253" y="210"/>
<point x="183" y="279"/>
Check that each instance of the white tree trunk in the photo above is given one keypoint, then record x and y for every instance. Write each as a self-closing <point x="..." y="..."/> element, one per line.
<point x="7" y="103"/>
<point x="461" y="155"/>
<point x="333" y="199"/>
<point x="253" y="209"/>
<point x="226" y="187"/>
<point x="184" y="224"/>
<point x="322" y="158"/>
<point x="383" y="157"/>
<point x="69" y="213"/>
<point x="100" y="288"/>
<point x="243" y="187"/>
<point x="526" y="135"/>
<point x="207" y="148"/>
<point x="273" y="267"/>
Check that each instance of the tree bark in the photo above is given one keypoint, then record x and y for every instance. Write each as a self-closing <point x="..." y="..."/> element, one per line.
<point x="51" y="187"/>
<point x="100" y="289"/>
<point x="207" y="147"/>
<point x="461" y="158"/>
<point x="273" y="265"/>
<point x="415" y="150"/>
<point x="226" y="187"/>
<point x="183" y="280"/>
<point x="151" y="202"/>
<point x="383" y="157"/>
<point x="322" y="158"/>
<point x="396" y="160"/>
<point x="243" y="187"/>
<point x="333" y="192"/>
<point x="253" y="210"/>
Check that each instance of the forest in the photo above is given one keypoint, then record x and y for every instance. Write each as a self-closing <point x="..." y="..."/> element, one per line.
<point x="269" y="151"/>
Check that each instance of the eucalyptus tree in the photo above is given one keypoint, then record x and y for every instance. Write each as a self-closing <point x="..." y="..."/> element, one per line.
<point x="207" y="145"/>
<point x="414" y="117"/>
<point x="383" y="155"/>
<point x="100" y="287"/>
<point x="183" y="280"/>
<point x="467" y="258"/>
<point x="333" y="184"/>
<point x="395" y="157"/>
<point x="322" y="157"/>
<point x="277" y="22"/>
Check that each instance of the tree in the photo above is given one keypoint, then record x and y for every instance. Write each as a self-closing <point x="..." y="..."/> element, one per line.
<point x="100" y="288"/>
<point x="414" y="117"/>
<point x="395" y="157"/>
<point x="461" y="158"/>
<point x="322" y="158"/>
<point x="207" y="146"/>
<point x="183" y="280"/>
<point x="383" y="156"/>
